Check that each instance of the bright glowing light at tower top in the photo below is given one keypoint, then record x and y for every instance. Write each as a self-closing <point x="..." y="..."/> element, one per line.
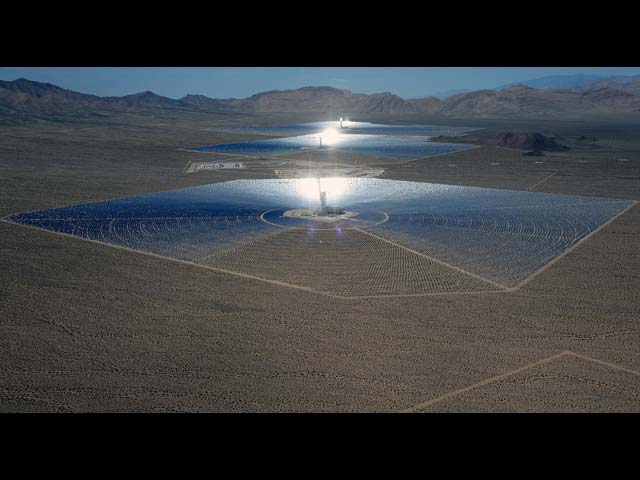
<point x="330" y="137"/>
<point x="309" y="189"/>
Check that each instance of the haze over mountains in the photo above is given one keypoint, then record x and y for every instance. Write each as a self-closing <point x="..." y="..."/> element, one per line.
<point x="24" y="100"/>
<point x="577" y="82"/>
<point x="555" y="81"/>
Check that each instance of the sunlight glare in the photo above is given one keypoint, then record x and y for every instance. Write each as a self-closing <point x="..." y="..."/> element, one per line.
<point x="330" y="137"/>
<point x="335" y="188"/>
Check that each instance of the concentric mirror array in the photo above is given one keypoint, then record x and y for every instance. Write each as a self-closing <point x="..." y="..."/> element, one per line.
<point x="376" y="237"/>
<point x="403" y="142"/>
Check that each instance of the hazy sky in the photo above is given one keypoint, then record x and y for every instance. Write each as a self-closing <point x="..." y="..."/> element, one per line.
<point x="239" y="82"/>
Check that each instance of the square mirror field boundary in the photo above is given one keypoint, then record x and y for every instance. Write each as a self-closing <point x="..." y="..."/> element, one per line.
<point x="375" y="238"/>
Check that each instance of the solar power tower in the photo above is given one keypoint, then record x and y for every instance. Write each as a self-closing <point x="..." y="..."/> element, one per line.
<point x="323" y="200"/>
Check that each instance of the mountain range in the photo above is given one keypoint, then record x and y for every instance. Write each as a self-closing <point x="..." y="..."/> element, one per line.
<point x="444" y="94"/>
<point x="581" y="83"/>
<point x="576" y="82"/>
<point x="555" y="81"/>
<point x="24" y="100"/>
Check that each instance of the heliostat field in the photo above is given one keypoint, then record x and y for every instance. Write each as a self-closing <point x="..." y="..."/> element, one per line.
<point x="392" y="142"/>
<point x="386" y="238"/>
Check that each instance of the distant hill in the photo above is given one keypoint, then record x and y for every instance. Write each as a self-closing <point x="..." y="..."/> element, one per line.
<point x="307" y="99"/>
<point x="25" y="100"/>
<point x="558" y="82"/>
<point x="28" y="97"/>
<point x="582" y="83"/>
<point x="524" y="140"/>
<point x="24" y="97"/>
<point x="554" y="81"/>
<point x="203" y="102"/>
<point x="149" y="100"/>
<point x="537" y="141"/>
<point x="444" y="94"/>
<point x="526" y="102"/>
<point x="630" y="84"/>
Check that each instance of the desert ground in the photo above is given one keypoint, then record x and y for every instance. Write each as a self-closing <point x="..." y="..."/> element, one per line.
<point x="86" y="327"/>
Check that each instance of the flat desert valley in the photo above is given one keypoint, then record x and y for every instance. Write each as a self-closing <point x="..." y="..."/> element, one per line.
<point x="90" y="327"/>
